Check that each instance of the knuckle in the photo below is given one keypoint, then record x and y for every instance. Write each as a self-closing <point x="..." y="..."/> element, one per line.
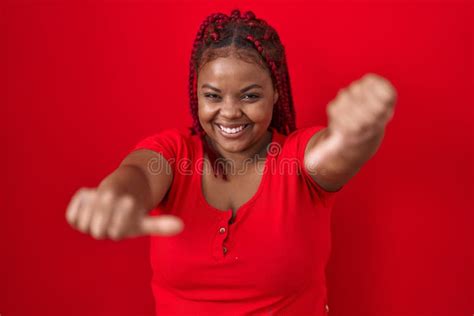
<point x="115" y="230"/>
<point x="127" y="197"/>
<point x="72" y="216"/>
<point x="84" y="192"/>
<point x="342" y="92"/>
<point x="80" y="191"/>
<point x="342" y="97"/>
<point x="83" y="223"/>
<point x="355" y="88"/>
<point x="97" y="229"/>
<point x="126" y="202"/>
<point x="106" y="196"/>
<point x="115" y="234"/>
<point x="331" y="109"/>
<point x="92" y="197"/>
<point x="82" y="228"/>
<point x="70" y="220"/>
<point x="99" y="235"/>
<point x="371" y="76"/>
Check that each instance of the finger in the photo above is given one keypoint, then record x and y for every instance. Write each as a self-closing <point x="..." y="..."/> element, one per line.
<point x="377" y="110"/>
<point x="73" y="207"/>
<point x="364" y="96"/>
<point x="85" y="212"/>
<point x="165" y="225"/>
<point x="381" y="112"/>
<point x="361" y="118"/>
<point x="341" y="102"/>
<point x="346" y="114"/>
<point x="101" y="216"/>
<point x="366" y="109"/>
<point x="120" y="218"/>
<point x="381" y="88"/>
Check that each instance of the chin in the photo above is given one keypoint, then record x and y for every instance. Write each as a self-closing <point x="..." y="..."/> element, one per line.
<point x="232" y="143"/>
<point x="237" y="148"/>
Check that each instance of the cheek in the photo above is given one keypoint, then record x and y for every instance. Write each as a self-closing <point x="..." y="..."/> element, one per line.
<point x="205" y="111"/>
<point x="261" y="112"/>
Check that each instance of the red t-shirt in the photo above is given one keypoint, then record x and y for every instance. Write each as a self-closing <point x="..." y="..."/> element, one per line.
<point x="269" y="261"/>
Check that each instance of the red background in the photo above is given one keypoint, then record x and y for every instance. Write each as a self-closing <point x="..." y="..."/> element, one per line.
<point x="86" y="80"/>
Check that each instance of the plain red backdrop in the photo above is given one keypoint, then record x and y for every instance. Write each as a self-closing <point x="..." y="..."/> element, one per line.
<point x="86" y="80"/>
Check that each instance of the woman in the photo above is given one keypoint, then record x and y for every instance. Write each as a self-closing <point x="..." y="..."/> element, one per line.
<point x="242" y="201"/>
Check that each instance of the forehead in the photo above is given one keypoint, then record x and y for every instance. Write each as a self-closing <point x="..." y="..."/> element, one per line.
<point x="232" y="69"/>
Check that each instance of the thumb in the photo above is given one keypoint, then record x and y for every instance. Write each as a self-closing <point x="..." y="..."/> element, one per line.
<point x="165" y="225"/>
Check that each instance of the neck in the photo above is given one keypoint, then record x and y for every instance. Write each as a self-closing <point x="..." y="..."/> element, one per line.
<point x="253" y="154"/>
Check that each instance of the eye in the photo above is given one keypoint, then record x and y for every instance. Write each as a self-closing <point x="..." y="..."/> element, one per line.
<point x="211" y="96"/>
<point x="251" y="97"/>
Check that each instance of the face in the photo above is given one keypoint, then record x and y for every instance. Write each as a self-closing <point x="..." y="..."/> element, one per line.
<point x="235" y="103"/>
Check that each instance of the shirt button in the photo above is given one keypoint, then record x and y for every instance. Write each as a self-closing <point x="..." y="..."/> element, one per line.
<point x="222" y="230"/>
<point x="224" y="249"/>
<point x="326" y="308"/>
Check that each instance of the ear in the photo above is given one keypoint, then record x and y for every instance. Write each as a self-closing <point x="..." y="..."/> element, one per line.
<point x="275" y="96"/>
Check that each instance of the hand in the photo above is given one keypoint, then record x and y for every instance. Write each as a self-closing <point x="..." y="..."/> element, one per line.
<point x="106" y="215"/>
<point x="361" y="111"/>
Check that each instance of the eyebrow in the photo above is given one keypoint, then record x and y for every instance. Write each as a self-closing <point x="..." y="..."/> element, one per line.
<point x="206" y="85"/>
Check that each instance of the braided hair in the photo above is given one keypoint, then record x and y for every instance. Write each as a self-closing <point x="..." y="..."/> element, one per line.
<point x="251" y="39"/>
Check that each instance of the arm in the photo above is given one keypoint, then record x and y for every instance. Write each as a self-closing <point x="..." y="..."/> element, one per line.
<point x="143" y="174"/>
<point x="117" y="207"/>
<point x="357" y="121"/>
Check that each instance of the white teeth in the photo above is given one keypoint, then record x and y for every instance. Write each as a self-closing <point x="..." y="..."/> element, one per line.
<point x="231" y="130"/>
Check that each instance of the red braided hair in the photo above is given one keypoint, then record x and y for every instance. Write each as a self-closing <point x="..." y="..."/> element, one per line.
<point x="250" y="38"/>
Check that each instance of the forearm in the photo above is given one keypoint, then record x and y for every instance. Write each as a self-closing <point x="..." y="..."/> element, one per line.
<point x="353" y="152"/>
<point x="129" y="180"/>
<point x="357" y="119"/>
<point x="332" y="159"/>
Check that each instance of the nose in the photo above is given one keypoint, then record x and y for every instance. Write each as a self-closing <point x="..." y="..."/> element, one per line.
<point x="230" y="110"/>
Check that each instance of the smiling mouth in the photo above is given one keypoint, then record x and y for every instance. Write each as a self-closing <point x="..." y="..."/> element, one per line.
<point x="232" y="132"/>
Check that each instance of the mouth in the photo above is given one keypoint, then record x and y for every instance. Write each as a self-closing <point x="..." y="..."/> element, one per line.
<point x="234" y="132"/>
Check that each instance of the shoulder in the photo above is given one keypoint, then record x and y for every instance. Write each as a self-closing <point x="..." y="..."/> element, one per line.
<point x="170" y="142"/>
<point x="173" y="135"/>
<point x="294" y="147"/>
<point x="173" y="132"/>
<point x="295" y="143"/>
<point x="304" y="133"/>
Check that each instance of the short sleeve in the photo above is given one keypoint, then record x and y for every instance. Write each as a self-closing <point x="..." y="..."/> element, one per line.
<point x="302" y="137"/>
<point x="166" y="142"/>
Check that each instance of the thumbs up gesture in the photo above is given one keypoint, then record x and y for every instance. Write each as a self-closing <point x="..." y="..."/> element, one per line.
<point x="357" y="118"/>
<point x="108" y="215"/>
<point x="362" y="110"/>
